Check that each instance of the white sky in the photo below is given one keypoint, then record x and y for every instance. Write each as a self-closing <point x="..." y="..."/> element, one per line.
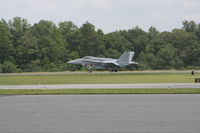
<point x="108" y="15"/>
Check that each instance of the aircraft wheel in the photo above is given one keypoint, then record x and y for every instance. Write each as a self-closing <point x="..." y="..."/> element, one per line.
<point x="90" y="71"/>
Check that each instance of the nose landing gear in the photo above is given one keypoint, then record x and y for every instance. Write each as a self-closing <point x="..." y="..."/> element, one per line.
<point x="90" y="68"/>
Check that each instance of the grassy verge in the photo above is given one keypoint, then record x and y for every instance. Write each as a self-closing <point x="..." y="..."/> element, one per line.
<point x="98" y="91"/>
<point x="97" y="79"/>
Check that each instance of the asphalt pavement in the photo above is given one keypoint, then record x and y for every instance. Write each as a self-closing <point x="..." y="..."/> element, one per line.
<point x="100" y="114"/>
<point x="99" y="86"/>
<point x="98" y="72"/>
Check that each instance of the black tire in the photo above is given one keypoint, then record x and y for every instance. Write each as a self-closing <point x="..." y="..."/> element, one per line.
<point x="115" y="70"/>
<point x="90" y="71"/>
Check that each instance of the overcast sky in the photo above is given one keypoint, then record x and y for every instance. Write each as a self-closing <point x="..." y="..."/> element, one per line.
<point x="108" y="15"/>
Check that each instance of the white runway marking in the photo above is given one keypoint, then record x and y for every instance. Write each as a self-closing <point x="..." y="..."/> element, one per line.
<point x="99" y="86"/>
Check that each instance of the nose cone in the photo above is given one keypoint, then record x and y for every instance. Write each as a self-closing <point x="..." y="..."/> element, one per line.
<point x="70" y="62"/>
<point x="74" y="62"/>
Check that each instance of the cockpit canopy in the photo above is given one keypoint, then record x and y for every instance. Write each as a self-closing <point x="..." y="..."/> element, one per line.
<point x="87" y="57"/>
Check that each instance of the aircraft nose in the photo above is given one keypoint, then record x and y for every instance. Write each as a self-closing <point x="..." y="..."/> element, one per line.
<point x="70" y="62"/>
<point x="73" y="62"/>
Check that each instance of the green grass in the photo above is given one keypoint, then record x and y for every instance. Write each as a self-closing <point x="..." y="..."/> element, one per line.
<point x="98" y="91"/>
<point x="97" y="79"/>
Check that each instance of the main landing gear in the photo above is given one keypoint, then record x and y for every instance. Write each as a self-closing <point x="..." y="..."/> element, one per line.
<point x="113" y="69"/>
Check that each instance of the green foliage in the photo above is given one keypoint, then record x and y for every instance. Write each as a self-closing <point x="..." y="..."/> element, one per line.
<point x="91" y="41"/>
<point x="5" y="44"/>
<point x="1" y="68"/>
<point x="46" y="46"/>
<point x="190" y="26"/>
<point x="116" y="42"/>
<point x="8" y="67"/>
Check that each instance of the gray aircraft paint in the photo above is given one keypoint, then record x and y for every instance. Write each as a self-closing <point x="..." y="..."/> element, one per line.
<point x="106" y="63"/>
<point x="125" y="59"/>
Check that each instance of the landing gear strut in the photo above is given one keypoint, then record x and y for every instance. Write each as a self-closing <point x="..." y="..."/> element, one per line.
<point x="90" y="68"/>
<point x="113" y="70"/>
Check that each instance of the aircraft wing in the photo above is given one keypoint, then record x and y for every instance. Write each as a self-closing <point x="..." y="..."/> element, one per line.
<point x="110" y="63"/>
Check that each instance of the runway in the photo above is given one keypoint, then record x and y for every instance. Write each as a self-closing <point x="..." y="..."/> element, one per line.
<point x="96" y="72"/>
<point x="101" y="86"/>
<point x="100" y="114"/>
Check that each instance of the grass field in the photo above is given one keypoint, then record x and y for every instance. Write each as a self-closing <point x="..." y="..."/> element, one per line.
<point x="99" y="91"/>
<point x="97" y="79"/>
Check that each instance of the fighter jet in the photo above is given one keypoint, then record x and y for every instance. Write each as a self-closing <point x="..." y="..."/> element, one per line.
<point x="106" y="63"/>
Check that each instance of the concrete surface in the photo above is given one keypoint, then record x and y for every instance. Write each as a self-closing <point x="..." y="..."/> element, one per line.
<point x="100" y="114"/>
<point x="97" y="86"/>
<point x="97" y="72"/>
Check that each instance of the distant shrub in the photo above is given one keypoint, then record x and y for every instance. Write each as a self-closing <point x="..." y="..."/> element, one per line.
<point x="33" y="68"/>
<point x="1" y="68"/>
<point x="8" y="67"/>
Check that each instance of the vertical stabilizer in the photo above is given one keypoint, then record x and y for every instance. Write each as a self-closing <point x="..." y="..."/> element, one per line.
<point x="125" y="58"/>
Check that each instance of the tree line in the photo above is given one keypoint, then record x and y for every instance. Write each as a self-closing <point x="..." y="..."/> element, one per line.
<point x="45" y="46"/>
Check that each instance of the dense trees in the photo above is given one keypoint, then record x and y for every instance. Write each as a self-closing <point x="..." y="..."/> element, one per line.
<point x="5" y="43"/>
<point x="45" y="46"/>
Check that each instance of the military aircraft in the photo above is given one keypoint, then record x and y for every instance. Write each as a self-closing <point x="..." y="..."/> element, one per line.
<point x="106" y="63"/>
